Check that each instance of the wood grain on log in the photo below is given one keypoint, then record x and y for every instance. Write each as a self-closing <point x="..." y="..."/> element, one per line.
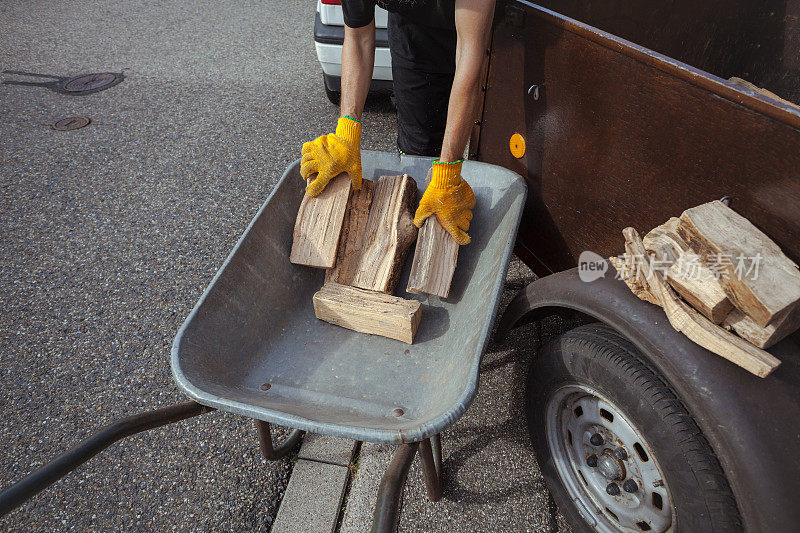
<point x="435" y="258"/>
<point x="665" y="242"/>
<point x="769" y="295"/>
<point x="351" y="242"/>
<point x="746" y="328"/>
<point x="695" y="326"/>
<point x="698" y="286"/>
<point x="319" y="224"/>
<point x="686" y="272"/>
<point x="368" y="311"/>
<point x="389" y="234"/>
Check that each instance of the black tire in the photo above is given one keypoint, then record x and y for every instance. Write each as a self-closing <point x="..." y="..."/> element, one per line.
<point x="333" y="96"/>
<point x="597" y="357"/>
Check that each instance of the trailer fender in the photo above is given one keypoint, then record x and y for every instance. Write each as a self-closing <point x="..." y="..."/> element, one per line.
<point x="752" y="423"/>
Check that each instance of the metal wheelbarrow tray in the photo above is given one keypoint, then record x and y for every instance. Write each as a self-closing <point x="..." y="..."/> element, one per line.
<point x="253" y="346"/>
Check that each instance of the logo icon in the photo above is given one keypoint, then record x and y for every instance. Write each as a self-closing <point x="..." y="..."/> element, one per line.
<point x="591" y="266"/>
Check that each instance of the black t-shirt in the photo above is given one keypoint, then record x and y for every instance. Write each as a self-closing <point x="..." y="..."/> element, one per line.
<point x="422" y="33"/>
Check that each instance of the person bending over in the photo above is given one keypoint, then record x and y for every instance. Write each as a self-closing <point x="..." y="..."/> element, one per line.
<point x="437" y="48"/>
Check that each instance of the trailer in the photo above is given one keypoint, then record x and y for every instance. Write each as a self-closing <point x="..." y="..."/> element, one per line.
<point x="625" y="114"/>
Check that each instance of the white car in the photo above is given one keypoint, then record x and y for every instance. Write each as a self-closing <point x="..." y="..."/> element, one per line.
<point x="328" y="40"/>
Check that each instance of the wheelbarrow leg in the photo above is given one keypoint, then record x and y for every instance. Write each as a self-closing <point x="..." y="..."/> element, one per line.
<point x="40" y="479"/>
<point x="387" y="507"/>
<point x="437" y="452"/>
<point x="432" y="466"/>
<point x="265" y="439"/>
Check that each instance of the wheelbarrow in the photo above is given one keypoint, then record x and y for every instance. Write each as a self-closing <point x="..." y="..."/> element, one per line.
<point x="253" y="346"/>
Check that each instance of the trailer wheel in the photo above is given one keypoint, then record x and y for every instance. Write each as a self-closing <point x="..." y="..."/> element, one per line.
<point x="617" y="448"/>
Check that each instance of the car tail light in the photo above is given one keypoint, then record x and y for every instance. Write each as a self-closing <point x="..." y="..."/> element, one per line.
<point x="332" y="2"/>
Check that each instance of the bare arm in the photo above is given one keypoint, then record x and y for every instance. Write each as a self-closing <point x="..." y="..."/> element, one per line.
<point x="473" y="23"/>
<point x="358" y="59"/>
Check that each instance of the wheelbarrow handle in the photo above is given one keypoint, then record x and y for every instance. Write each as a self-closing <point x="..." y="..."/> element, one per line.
<point x="46" y="475"/>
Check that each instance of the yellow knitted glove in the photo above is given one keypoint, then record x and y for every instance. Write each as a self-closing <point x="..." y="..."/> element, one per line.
<point x="450" y="198"/>
<point x="330" y="155"/>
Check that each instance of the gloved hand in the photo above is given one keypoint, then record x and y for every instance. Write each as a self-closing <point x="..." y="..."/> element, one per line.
<point x="332" y="154"/>
<point x="450" y="198"/>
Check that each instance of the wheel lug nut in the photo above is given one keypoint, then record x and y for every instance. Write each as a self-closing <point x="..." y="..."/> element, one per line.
<point x="612" y="489"/>
<point x="621" y="454"/>
<point x="592" y="460"/>
<point x="630" y="486"/>
<point x="596" y="439"/>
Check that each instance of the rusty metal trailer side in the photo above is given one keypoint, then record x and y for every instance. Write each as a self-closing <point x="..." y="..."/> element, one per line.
<point x="621" y="136"/>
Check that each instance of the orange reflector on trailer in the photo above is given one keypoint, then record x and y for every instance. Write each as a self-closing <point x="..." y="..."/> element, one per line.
<point x="517" y="145"/>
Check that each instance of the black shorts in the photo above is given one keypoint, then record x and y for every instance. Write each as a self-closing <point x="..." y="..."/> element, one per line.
<point x="421" y="99"/>
<point x="422" y="41"/>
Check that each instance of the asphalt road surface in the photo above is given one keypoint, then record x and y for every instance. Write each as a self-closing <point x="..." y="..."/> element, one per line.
<point x="110" y="233"/>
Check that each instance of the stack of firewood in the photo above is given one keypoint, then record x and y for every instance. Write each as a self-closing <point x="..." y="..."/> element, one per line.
<point x="361" y="237"/>
<point x="720" y="280"/>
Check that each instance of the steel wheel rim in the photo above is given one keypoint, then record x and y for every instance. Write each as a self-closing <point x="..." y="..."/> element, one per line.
<point x="575" y="413"/>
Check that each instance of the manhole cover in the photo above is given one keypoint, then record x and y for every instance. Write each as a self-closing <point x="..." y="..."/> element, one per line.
<point x="91" y="83"/>
<point x="71" y="123"/>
